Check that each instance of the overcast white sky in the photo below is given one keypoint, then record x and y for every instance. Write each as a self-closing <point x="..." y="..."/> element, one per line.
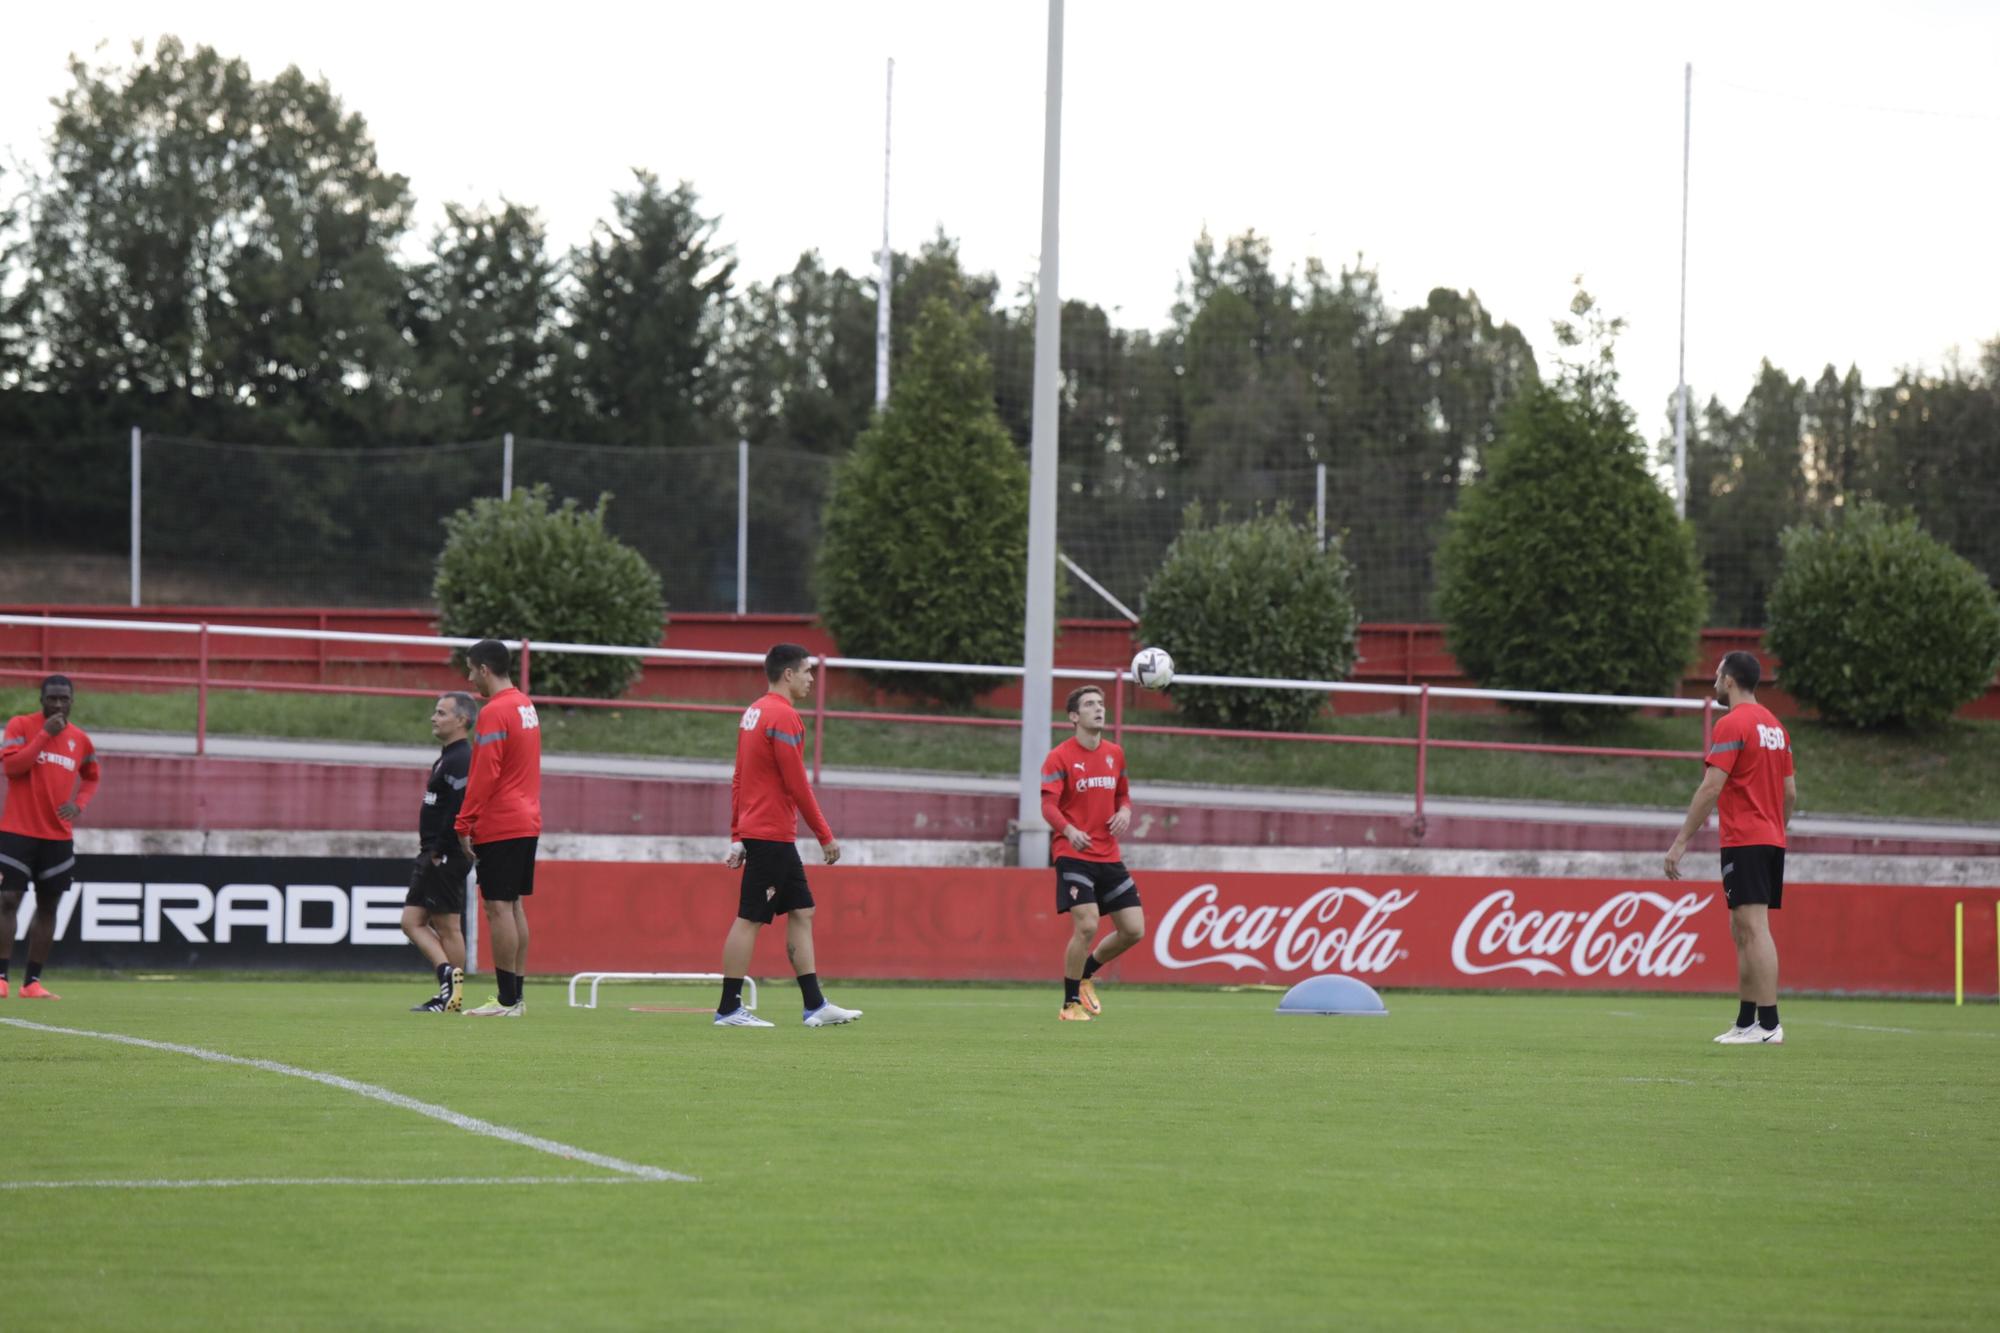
<point x="1844" y="191"/>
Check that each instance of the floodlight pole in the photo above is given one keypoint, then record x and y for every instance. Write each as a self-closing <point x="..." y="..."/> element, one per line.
<point x="1038" y="643"/>
<point x="886" y="275"/>
<point x="1681" y="397"/>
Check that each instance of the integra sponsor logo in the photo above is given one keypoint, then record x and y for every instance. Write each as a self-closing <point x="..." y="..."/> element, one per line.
<point x="114" y="912"/>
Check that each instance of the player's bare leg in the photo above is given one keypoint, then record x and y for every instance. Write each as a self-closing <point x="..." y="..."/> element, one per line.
<point x="418" y="928"/>
<point x="820" y="1012"/>
<point x="799" y="941"/>
<point x="1083" y="928"/>
<point x="501" y="932"/>
<point x="441" y="942"/>
<point x="520" y="938"/>
<point x="1756" y="975"/>
<point x="737" y="946"/>
<point x="41" y="943"/>
<point x="503" y="929"/>
<point x="10" y="921"/>
<point x="1128" y="927"/>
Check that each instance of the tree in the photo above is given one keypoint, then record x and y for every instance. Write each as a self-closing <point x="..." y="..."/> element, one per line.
<point x="484" y="320"/>
<point x="925" y="548"/>
<point x="1564" y="568"/>
<point x="519" y="568"/>
<point x="13" y="339"/>
<point x="803" y="348"/>
<point x="1937" y="452"/>
<point x="646" y="321"/>
<point x="1746" y="485"/>
<point x="1880" y="624"/>
<point x="1256" y="597"/>
<point x="212" y="245"/>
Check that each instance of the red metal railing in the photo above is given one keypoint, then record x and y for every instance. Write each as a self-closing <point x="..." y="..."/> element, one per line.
<point x="205" y="679"/>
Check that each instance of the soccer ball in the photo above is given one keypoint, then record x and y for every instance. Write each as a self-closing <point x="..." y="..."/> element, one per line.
<point x="1153" y="668"/>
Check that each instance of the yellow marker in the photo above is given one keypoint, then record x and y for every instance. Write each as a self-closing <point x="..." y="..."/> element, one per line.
<point x="1959" y="954"/>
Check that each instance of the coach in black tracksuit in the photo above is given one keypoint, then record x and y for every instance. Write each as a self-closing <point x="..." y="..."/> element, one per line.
<point x="435" y="909"/>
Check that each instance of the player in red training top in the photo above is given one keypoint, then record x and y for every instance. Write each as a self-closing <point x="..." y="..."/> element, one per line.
<point x="767" y="794"/>
<point x="500" y="821"/>
<point x="52" y="773"/>
<point x="1750" y="776"/>
<point x="1087" y="801"/>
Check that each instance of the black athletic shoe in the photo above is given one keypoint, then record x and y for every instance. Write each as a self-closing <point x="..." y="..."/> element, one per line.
<point x="437" y="1004"/>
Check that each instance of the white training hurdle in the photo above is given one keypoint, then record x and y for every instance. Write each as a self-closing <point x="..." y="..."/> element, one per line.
<point x="597" y="979"/>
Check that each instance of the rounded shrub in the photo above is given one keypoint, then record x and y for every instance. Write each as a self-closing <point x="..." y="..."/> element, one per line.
<point x="1876" y="623"/>
<point x="1565" y="568"/>
<point x="925" y="549"/>
<point x="518" y="568"/>
<point x="1257" y="597"/>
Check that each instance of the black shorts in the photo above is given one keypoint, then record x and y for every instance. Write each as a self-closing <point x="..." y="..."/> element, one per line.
<point x="774" y="881"/>
<point x="47" y="862"/>
<point x="1752" y="875"/>
<point x="506" y="868"/>
<point x="438" y="887"/>
<point x="1105" y="883"/>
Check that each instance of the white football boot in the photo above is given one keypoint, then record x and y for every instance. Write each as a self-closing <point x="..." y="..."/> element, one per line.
<point x="829" y="1014"/>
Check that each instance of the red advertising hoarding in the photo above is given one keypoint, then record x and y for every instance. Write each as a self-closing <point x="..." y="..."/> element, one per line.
<point x="1230" y="928"/>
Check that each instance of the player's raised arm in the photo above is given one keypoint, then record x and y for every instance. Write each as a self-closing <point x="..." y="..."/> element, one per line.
<point x="19" y="748"/>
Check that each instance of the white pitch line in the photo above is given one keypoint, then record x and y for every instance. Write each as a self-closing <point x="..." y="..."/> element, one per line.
<point x="310" y="1180"/>
<point x="469" y="1124"/>
<point x="1904" y="1032"/>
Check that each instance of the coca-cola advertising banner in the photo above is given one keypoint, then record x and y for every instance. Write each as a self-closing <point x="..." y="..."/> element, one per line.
<point x="1212" y="929"/>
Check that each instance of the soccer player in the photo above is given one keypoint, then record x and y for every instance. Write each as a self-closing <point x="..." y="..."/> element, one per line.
<point x="1750" y="776"/>
<point x="767" y="793"/>
<point x="52" y="773"/>
<point x="500" y="820"/>
<point x="1087" y="800"/>
<point x="432" y="911"/>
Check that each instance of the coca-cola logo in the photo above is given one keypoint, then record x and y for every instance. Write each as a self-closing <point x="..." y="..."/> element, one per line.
<point x="1636" y="932"/>
<point x="1333" y="930"/>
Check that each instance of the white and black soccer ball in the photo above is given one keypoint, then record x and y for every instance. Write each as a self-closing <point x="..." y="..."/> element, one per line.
<point x="1153" y="669"/>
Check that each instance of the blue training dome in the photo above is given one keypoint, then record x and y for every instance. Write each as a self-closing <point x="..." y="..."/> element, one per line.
<point x="1333" y="995"/>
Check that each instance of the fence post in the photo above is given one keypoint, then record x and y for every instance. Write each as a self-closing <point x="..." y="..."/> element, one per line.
<point x="322" y="647"/>
<point x="135" y="515"/>
<point x="1423" y="749"/>
<point x="201" y="694"/>
<point x="45" y="641"/>
<point x="1118" y="710"/>
<point x="1319" y="502"/>
<point x="507" y="466"/>
<point x="819" y="717"/>
<point x="1707" y="725"/>
<point x="742" y="526"/>
<point x="524" y="667"/>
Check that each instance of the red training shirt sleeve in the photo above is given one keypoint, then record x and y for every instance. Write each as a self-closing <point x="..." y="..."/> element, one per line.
<point x="1053" y="773"/>
<point x="90" y="773"/>
<point x="1124" y="785"/>
<point x="1727" y="745"/>
<point x="792" y="771"/>
<point x="20" y="747"/>
<point x="480" y="780"/>
<point x="736" y="801"/>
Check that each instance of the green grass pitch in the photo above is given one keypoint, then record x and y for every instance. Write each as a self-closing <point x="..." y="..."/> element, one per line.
<point x="958" y="1159"/>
